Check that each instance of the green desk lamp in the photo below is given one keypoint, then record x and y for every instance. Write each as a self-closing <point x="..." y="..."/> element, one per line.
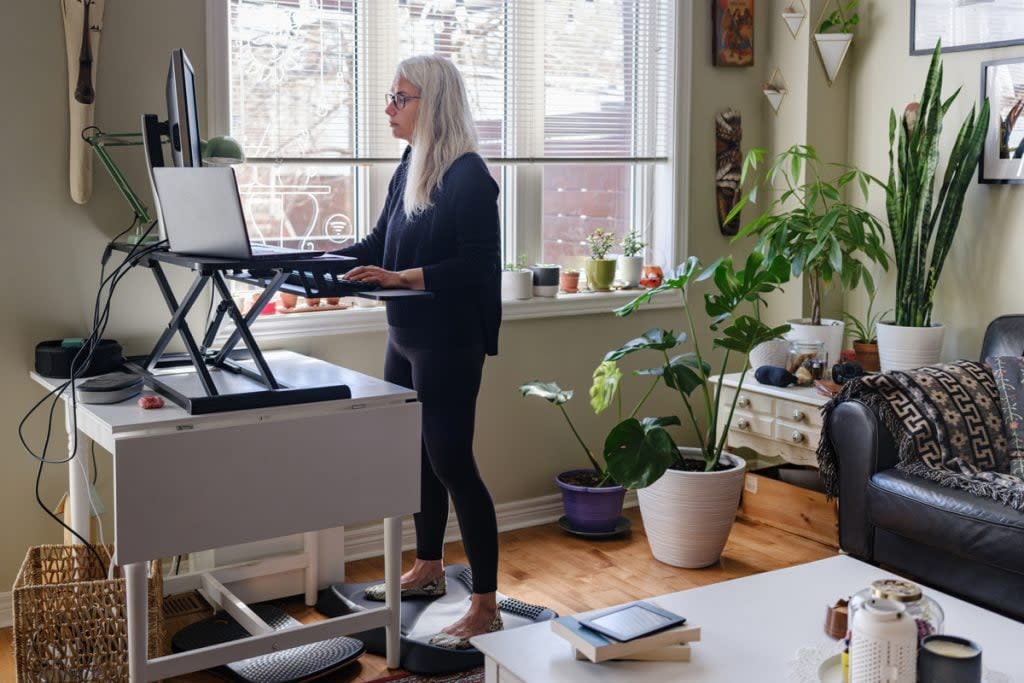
<point x="219" y="151"/>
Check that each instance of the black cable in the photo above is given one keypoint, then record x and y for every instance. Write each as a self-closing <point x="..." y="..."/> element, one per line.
<point x="78" y="366"/>
<point x="95" y="472"/>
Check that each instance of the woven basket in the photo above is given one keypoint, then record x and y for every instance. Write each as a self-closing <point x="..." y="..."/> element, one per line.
<point x="70" y="620"/>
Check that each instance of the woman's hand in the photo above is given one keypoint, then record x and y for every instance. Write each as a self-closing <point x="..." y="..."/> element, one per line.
<point x="385" y="279"/>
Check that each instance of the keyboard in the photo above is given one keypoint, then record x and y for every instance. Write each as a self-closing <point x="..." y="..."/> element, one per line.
<point x="330" y="285"/>
<point x="358" y="285"/>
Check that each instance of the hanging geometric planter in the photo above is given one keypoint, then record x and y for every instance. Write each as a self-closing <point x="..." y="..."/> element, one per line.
<point x="832" y="48"/>
<point x="794" y="15"/>
<point x="775" y="90"/>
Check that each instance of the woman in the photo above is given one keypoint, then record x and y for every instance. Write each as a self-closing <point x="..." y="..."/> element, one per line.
<point x="439" y="232"/>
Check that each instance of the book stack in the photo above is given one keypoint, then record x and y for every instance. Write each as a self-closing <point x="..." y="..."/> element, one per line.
<point x="671" y="644"/>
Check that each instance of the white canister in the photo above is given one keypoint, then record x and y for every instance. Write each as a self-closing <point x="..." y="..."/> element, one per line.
<point x="883" y="644"/>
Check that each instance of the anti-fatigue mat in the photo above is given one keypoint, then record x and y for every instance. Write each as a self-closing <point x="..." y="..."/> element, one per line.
<point x="423" y="617"/>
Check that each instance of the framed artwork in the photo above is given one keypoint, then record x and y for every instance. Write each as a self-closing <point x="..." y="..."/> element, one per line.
<point x="965" y="25"/>
<point x="1002" y="156"/>
<point x="732" y="41"/>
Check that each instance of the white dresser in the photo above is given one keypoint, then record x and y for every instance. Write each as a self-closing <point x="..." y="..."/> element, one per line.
<point x="774" y="421"/>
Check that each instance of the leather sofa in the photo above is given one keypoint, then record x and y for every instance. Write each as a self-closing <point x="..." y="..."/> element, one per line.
<point x="962" y="544"/>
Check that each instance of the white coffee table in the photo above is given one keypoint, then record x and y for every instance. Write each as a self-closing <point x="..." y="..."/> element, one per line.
<point x="750" y="629"/>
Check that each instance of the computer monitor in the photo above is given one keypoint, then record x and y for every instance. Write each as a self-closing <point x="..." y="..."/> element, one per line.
<point x="182" y="111"/>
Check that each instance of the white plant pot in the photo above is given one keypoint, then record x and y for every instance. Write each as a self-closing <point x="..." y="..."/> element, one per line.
<point x="905" y="348"/>
<point x="516" y="284"/>
<point x="793" y="21"/>
<point x="832" y="48"/>
<point x="775" y="98"/>
<point x="687" y="516"/>
<point x="772" y="352"/>
<point x="629" y="270"/>
<point x="829" y="331"/>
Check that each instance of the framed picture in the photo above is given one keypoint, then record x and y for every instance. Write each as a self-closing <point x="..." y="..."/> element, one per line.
<point x="965" y="25"/>
<point x="733" y="41"/>
<point x="1002" y="157"/>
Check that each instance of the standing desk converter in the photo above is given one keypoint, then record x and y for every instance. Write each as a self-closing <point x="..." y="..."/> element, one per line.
<point x="184" y="483"/>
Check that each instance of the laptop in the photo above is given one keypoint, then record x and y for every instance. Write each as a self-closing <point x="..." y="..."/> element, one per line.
<point x="201" y="213"/>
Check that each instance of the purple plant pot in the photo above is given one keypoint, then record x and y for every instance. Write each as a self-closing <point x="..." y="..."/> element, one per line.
<point x="591" y="509"/>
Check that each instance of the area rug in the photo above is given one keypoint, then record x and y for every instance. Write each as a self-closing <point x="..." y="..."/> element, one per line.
<point x="471" y="676"/>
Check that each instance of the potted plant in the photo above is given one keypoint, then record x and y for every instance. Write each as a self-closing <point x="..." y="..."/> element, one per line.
<point x="688" y="496"/>
<point x="631" y="263"/>
<point x="834" y="36"/>
<point x="545" y="279"/>
<point x="864" y="333"/>
<point x="923" y="223"/>
<point x="793" y="14"/>
<point x="591" y="498"/>
<point x="822" y="236"/>
<point x="569" y="280"/>
<point x="516" y="280"/>
<point x="600" y="269"/>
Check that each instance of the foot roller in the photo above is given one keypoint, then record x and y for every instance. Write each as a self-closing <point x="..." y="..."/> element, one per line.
<point x="422" y="617"/>
<point x="296" y="664"/>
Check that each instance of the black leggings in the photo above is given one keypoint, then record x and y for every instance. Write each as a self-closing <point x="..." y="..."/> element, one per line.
<point x="447" y="381"/>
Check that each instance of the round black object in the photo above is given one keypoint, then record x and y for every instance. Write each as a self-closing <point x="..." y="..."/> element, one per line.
<point x="844" y="372"/>
<point x="54" y="358"/>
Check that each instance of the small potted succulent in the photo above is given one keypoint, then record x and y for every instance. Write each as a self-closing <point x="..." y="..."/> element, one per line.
<point x="516" y="280"/>
<point x="600" y="268"/>
<point x="834" y="36"/>
<point x="864" y="332"/>
<point x="631" y="263"/>
<point x="545" y="279"/>
<point x="569" y="281"/>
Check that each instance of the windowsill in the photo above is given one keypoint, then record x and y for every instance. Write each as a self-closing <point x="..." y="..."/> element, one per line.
<point x="355" y="320"/>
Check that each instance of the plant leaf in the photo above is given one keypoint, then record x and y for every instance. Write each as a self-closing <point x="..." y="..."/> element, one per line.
<point x="549" y="391"/>
<point x="607" y="377"/>
<point x="637" y="454"/>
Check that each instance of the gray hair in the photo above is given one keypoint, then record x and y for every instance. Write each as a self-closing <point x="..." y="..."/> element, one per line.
<point x="444" y="129"/>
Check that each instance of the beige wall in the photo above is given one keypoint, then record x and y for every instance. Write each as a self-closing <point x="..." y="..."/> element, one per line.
<point x="50" y="284"/>
<point x="980" y="280"/>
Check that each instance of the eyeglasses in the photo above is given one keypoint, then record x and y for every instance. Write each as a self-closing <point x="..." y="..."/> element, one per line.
<point x="399" y="99"/>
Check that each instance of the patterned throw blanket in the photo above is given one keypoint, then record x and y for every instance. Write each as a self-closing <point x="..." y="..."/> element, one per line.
<point x="947" y="424"/>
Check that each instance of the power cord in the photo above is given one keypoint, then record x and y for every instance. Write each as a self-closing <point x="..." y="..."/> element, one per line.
<point x="79" y="364"/>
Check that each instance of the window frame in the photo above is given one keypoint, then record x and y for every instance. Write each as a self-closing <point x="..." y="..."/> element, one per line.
<point x="522" y="192"/>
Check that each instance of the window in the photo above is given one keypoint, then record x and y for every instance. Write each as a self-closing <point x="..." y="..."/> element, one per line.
<point x="572" y="100"/>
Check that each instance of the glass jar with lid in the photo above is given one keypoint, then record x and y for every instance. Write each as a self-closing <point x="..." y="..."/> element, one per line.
<point x="809" y="355"/>
<point x="926" y="612"/>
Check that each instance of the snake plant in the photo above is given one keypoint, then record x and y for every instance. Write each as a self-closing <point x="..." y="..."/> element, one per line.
<point x="922" y="224"/>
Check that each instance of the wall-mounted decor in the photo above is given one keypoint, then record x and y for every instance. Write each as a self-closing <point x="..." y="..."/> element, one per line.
<point x="83" y="22"/>
<point x="834" y="34"/>
<point x="729" y="163"/>
<point x="733" y="40"/>
<point x="965" y="25"/>
<point x="775" y="90"/>
<point x="1002" y="157"/>
<point x="793" y="14"/>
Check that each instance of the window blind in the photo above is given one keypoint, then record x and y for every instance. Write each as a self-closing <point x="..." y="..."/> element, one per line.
<point x="548" y="80"/>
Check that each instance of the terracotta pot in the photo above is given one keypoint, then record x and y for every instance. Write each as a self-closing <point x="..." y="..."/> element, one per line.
<point x="867" y="356"/>
<point x="652" y="277"/>
<point x="569" y="282"/>
<point x="313" y="303"/>
<point x="288" y="300"/>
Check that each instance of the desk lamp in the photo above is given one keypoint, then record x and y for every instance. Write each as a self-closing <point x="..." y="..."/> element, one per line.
<point x="219" y="151"/>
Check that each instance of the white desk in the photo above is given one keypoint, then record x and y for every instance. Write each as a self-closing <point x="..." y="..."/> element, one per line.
<point x="750" y="629"/>
<point x="185" y="483"/>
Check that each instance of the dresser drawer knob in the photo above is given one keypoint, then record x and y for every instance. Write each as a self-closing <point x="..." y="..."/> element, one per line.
<point x="797" y="437"/>
<point x="799" y="415"/>
<point x="743" y="423"/>
<point x="743" y="402"/>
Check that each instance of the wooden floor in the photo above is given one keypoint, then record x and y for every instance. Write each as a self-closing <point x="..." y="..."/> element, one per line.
<point x="544" y="566"/>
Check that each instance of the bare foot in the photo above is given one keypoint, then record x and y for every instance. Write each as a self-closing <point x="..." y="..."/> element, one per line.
<point x="422" y="573"/>
<point x="478" y="619"/>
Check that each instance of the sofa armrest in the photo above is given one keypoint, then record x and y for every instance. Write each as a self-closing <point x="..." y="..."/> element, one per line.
<point x="863" y="446"/>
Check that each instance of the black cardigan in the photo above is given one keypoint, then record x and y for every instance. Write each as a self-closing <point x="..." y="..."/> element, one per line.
<point x="457" y="242"/>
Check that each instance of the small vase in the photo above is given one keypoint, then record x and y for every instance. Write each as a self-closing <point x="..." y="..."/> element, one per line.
<point x="516" y="284"/>
<point x="569" y="282"/>
<point x="630" y="270"/>
<point x="600" y="274"/>
<point x="652" y="277"/>
<point x="545" y="280"/>
<point x="867" y="356"/>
